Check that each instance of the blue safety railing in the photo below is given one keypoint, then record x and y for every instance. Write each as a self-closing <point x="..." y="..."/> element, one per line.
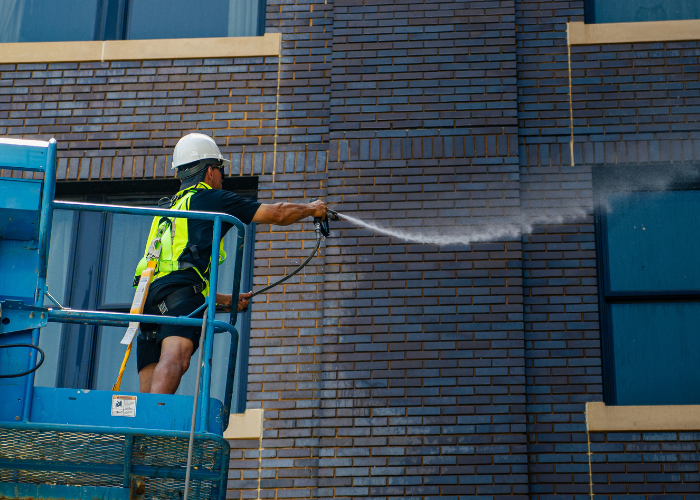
<point x="41" y="424"/>
<point x="123" y="319"/>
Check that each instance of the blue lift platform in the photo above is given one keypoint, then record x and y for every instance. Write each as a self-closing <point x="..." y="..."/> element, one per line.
<point x="65" y="443"/>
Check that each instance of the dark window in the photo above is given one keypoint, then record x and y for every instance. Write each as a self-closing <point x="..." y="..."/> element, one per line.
<point x="48" y="21"/>
<point x="92" y="258"/>
<point x="83" y="20"/>
<point x="650" y="290"/>
<point x="631" y="11"/>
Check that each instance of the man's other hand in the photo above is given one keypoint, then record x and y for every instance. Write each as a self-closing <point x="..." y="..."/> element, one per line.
<point x="224" y="300"/>
<point x="243" y="301"/>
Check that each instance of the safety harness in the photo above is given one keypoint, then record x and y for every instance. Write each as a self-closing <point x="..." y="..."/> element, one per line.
<point x="167" y="242"/>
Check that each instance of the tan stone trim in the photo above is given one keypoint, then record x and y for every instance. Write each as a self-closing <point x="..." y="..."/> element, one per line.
<point x="657" y="31"/>
<point x="248" y="425"/>
<point x="50" y="52"/>
<point x="642" y="418"/>
<point x="136" y="50"/>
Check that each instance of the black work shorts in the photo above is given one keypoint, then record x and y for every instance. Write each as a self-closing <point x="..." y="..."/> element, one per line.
<point x="148" y="351"/>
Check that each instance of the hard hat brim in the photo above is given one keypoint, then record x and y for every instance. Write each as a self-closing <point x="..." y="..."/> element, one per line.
<point x="224" y="163"/>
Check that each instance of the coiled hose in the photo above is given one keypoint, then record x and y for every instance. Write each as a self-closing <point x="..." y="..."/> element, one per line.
<point x="22" y="374"/>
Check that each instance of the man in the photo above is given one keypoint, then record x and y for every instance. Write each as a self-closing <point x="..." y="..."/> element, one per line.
<point x="181" y="281"/>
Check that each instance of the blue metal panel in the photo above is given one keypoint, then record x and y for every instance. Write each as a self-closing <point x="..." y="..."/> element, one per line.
<point x="20" y="201"/>
<point x="23" y="155"/>
<point x="55" y="492"/>
<point x="18" y="279"/>
<point x="11" y="390"/>
<point x="656" y="353"/>
<point x="18" y="224"/>
<point x="20" y="194"/>
<point x="86" y="407"/>
<point x="652" y="241"/>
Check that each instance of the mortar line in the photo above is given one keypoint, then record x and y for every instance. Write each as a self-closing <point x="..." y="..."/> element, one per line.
<point x="590" y="470"/>
<point x="571" y="105"/>
<point x="260" y="450"/>
<point x="277" y="110"/>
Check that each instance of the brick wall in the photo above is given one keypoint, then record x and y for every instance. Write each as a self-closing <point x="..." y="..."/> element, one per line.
<point x="390" y="369"/>
<point x="424" y="344"/>
<point x="562" y="353"/>
<point x="636" y="103"/>
<point x="120" y="120"/>
<point x="646" y="464"/>
<point x="286" y="340"/>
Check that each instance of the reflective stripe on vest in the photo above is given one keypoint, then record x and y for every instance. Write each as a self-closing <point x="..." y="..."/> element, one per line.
<point x="175" y="240"/>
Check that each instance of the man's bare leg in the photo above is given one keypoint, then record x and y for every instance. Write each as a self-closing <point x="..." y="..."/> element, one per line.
<point x="175" y="354"/>
<point x="145" y="377"/>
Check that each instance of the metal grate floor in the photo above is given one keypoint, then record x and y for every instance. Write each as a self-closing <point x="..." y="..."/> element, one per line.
<point x="91" y="459"/>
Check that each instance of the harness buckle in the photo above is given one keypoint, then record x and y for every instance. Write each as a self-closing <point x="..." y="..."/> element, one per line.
<point x="162" y="307"/>
<point x="199" y="287"/>
<point x="153" y="252"/>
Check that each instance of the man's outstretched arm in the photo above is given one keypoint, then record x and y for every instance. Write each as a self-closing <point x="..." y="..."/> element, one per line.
<point x="283" y="214"/>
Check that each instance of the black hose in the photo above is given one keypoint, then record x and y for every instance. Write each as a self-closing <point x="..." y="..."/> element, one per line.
<point x="301" y="266"/>
<point x="22" y="374"/>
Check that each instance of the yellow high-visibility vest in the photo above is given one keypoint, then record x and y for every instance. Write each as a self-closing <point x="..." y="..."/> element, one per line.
<point x="172" y="236"/>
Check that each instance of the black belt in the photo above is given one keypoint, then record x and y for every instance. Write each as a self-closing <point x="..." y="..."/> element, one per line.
<point x="174" y="299"/>
<point x="169" y="303"/>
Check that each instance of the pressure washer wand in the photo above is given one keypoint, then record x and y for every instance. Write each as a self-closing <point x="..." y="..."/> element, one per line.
<point x="323" y="230"/>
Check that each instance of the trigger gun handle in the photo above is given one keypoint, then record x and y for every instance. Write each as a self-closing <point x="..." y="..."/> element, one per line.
<point x="321" y="224"/>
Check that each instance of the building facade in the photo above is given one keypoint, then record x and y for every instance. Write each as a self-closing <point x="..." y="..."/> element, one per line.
<point x="552" y="363"/>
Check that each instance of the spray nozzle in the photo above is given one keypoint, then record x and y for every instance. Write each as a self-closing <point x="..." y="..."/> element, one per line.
<point x="332" y="215"/>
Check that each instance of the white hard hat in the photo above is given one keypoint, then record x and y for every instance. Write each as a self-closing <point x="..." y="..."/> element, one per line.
<point x="196" y="147"/>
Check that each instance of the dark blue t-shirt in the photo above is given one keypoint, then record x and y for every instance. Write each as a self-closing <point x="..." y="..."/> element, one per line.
<point x="200" y="234"/>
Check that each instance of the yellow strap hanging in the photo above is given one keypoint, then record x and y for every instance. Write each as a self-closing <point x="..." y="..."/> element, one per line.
<point x="136" y="308"/>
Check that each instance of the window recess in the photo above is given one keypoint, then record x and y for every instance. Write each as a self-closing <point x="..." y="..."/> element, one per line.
<point x="648" y="235"/>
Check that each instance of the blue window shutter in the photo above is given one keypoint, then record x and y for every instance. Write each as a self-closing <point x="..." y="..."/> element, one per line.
<point x="656" y="353"/>
<point x="650" y="294"/>
<point x="653" y="239"/>
<point x="628" y="11"/>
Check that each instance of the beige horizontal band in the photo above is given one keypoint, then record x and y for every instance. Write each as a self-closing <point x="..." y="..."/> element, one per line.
<point x="136" y="50"/>
<point x="656" y="31"/>
<point x="248" y="425"/>
<point x="642" y="418"/>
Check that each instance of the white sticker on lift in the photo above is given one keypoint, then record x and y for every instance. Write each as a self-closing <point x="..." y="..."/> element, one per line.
<point x="123" y="406"/>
